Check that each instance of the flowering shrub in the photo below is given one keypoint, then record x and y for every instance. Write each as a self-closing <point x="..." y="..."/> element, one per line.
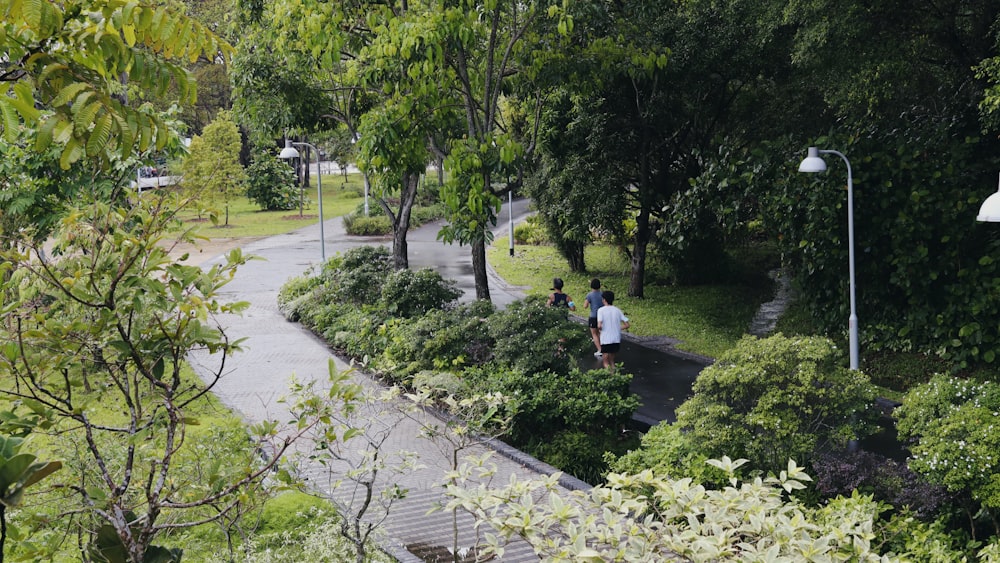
<point x="956" y="427"/>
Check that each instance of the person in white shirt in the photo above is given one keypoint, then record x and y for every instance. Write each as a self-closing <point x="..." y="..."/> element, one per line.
<point x="610" y="321"/>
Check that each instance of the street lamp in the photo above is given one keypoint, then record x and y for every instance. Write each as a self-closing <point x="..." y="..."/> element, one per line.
<point x="990" y="210"/>
<point x="814" y="163"/>
<point x="290" y="152"/>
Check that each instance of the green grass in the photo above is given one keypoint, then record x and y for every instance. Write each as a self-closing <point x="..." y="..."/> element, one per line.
<point x="247" y="220"/>
<point x="707" y="319"/>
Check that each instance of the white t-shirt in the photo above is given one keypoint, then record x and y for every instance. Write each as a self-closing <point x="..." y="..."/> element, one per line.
<point x="610" y="319"/>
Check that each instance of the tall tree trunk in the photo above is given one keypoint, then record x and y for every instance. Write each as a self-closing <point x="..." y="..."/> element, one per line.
<point x="401" y="223"/>
<point x="479" y="268"/>
<point x="636" y="284"/>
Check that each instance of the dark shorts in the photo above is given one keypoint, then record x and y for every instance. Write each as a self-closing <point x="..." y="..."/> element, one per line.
<point x="593" y="322"/>
<point x="610" y="348"/>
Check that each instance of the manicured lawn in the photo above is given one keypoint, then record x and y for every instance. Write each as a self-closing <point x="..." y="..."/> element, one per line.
<point x="707" y="319"/>
<point x="247" y="220"/>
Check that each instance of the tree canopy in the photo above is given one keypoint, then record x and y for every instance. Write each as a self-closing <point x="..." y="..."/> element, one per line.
<point x="65" y="63"/>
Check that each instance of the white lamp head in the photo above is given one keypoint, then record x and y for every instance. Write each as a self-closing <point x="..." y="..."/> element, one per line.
<point x="288" y="152"/>
<point x="989" y="212"/>
<point x="812" y="162"/>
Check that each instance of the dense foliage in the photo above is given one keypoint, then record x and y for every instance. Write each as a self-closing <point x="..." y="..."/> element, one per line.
<point x="776" y="398"/>
<point x="64" y="67"/>
<point x="649" y="517"/>
<point x="954" y="427"/>
<point x="406" y="326"/>
<point x="270" y="183"/>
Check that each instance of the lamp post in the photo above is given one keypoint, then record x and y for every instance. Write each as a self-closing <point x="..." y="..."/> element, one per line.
<point x="990" y="210"/>
<point x="814" y="163"/>
<point x="290" y="152"/>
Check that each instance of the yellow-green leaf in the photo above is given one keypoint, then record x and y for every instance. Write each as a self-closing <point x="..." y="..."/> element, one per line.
<point x="100" y="135"/>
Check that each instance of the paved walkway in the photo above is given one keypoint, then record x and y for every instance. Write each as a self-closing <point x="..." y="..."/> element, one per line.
<point x="276" y="350"/>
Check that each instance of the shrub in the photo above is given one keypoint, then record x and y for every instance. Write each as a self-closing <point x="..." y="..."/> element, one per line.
<point x="406" y="293"/>
<point x="270" y="183"/>
<point x="297" y="295"/>
<point x="646" y="517"/>
<point x="533" y="338"/>
<point x="954" y="424"/>
<point x="668" y="452"/>
<point x="777" y="398"/>
<point x="356" y="276"/>
<point x="443" y="339"/>
<point x="547" y="403"/>
<point x="531" y="231"/>
<point x="360" y="226"/>
<point x="581" y="454"/>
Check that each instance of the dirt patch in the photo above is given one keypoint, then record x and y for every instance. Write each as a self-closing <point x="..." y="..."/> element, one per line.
<point x="204" y="250"/>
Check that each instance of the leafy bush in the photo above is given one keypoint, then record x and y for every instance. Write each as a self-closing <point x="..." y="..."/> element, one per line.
<point x="443" y="339"/>
<point x="531" y="231"/>
<point x="534" y="338"/>
<point x="406" y="293"/>
<point x="667" y="451"/>
<point x="361" y="226"/>
<point x="297" y="294"/>
<point x="646" y="517"/>
<point x="777" y="398"/>
<point x="582" y="454"/>
<point x="547" y="403"/>
<point x="356" y="276"/>
<point x="270" y="183"/>
<point x="954" y="426"/>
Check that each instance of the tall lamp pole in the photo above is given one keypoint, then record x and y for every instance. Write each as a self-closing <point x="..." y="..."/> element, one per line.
<point x="290" y="152"/>
<point x="814" y="163"/>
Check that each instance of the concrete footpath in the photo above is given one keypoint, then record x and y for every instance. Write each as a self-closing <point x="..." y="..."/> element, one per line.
<point x="276" y="350"/>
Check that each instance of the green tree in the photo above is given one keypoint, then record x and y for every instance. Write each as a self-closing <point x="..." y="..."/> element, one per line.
<point x="270" y="183"/>
<point x="64" y="63"/>
<point x="97" y="340"/>
<point x="664" y="85"/>
<point x="212" y="169"/>
<point x="904" y="108"/>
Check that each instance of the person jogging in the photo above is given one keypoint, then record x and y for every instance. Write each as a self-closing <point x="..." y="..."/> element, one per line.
<point x="610" y="321"/>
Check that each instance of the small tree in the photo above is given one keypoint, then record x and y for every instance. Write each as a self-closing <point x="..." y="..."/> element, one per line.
<point x="96" y="339"/>
<point x="270" y="183"/>
<point x="212" y="169"/>
<point x="350" y="426"/>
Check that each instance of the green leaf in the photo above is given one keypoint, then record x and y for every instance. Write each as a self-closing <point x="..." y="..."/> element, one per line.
<point x="100" y="135"/>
